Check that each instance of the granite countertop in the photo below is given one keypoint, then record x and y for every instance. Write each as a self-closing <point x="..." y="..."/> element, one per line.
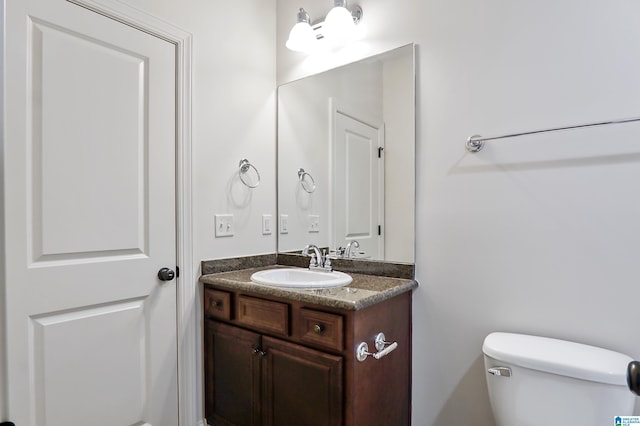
<point x="363" y="291"/>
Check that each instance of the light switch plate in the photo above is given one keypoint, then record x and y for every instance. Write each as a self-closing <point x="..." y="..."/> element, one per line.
<point x="314" y="223"/>
<point x="224" y="225"/>
<point x="267" y="224"/>
<point x="284" y="223"/>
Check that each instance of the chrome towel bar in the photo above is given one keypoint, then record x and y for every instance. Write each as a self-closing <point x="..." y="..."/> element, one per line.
<point x="476" y="142"/>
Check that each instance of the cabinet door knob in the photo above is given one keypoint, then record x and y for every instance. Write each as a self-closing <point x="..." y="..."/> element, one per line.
<point x="216" y="303"/>
<point x="259" y="352"/>
<point x="318" y="328"/>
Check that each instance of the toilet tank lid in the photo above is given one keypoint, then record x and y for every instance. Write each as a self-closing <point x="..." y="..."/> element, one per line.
<point x="558" y="357"/>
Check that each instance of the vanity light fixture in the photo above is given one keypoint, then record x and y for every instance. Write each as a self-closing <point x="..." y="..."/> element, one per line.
<point x="336" y="30"/>
<point x="301" y="37"/>
<point x="340" y="24"/>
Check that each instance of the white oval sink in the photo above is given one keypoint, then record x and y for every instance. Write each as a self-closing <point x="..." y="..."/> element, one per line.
<point x="301" y="278"/>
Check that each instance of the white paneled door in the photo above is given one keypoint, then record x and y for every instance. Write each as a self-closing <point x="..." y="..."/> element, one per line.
<point x="358" y="184"/>
<point x="89" y="166"/>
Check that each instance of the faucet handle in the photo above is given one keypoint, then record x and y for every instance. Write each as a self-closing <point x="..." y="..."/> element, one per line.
<point x="327" y="263"/>
<point x="313" y="261"/>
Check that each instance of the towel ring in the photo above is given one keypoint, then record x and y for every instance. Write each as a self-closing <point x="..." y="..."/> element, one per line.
<point x="245" y="166"/>
<point x="306" y="181"/>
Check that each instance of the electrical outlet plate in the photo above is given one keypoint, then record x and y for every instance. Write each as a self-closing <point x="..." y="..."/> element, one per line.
<point x="267" y="224"/>
<point x="224" y="225"/>
<point x="314" y="223"/>
<point x="284" y="223"/>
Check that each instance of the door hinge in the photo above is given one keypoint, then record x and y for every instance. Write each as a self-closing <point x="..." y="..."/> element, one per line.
<point x="380" y="149"/>
<point x="177" y="271"/>
<point x="379" y="230"/>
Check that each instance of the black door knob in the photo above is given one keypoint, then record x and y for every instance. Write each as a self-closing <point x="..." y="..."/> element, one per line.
<point x="633" y="377"/>
<point x="166" y="274"/>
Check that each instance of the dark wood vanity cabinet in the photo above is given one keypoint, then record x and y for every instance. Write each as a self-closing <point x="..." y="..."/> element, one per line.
<point x="258" y="380"/>
<point x="300" y="385"/>
<point x="276" y="362"/>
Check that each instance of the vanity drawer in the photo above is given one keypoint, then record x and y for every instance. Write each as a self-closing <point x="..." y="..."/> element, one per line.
<point x="264" y="315"/>
<point x="321" y="328"/>
<point x="217" y="304"/>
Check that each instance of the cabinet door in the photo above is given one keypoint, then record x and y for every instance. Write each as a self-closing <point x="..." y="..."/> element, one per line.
<point x="301" y="386"/>
<point x="232" y="375"/>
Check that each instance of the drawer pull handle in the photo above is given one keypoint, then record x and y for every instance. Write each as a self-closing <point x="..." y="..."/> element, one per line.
<point x="383" y="347"/>
<point x="318" y="328"/>
<point x="216" y="303"/>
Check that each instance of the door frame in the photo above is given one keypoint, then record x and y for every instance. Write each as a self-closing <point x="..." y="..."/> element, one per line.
<point x="187" y="324"/>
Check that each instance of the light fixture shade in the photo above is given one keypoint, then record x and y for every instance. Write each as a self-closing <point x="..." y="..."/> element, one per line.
<point x="301" y="38"/>
<point x="339" y="28"/>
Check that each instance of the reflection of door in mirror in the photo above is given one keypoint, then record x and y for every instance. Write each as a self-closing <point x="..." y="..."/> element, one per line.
<point x="358" y="184"/>
<point x="373" y="91"/>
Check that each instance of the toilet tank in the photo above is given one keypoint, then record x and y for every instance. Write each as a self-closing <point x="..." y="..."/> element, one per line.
<point x="539" y="381"/>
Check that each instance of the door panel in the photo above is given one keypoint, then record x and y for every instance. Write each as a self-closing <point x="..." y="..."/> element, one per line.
<point x="301" y="386"/>
<point x="232" y="375"/>
<point x="358" y="175"/>
<point x="90" y="219"/>
<point x="108" y="348"/>
<point x="69" y="214"/>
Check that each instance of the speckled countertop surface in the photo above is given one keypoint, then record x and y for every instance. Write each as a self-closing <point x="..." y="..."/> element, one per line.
<point x="363" y="291"/>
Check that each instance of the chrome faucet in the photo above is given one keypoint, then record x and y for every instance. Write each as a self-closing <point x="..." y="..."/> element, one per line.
<point x="318" y="261"/>
<point x="347" y="250"/>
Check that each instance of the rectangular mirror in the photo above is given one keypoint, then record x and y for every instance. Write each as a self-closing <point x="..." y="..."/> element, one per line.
<point x="346" y="159"/>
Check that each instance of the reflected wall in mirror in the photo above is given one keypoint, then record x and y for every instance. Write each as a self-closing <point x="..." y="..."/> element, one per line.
<point x="352" y="131"/>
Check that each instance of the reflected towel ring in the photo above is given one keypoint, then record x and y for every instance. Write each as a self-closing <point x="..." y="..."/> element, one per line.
<point x="245" y="166"/>
<point x="306" y="181"/>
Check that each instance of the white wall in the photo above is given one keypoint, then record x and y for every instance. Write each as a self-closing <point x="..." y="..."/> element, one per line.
<point x="537" y="234"/>
<point x="303" y="117"/>
<point x="533" y="235"/>
<point x="233" y="107"/>
<point x="399" y="157"/>
<point x="234" y="117"/>
<point x="3" y="344"/>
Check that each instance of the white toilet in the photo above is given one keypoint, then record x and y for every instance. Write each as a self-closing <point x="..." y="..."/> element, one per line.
<point x="538" y="381"/>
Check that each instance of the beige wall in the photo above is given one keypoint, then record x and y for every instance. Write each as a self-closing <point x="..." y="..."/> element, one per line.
<point x="538" y="234"/>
